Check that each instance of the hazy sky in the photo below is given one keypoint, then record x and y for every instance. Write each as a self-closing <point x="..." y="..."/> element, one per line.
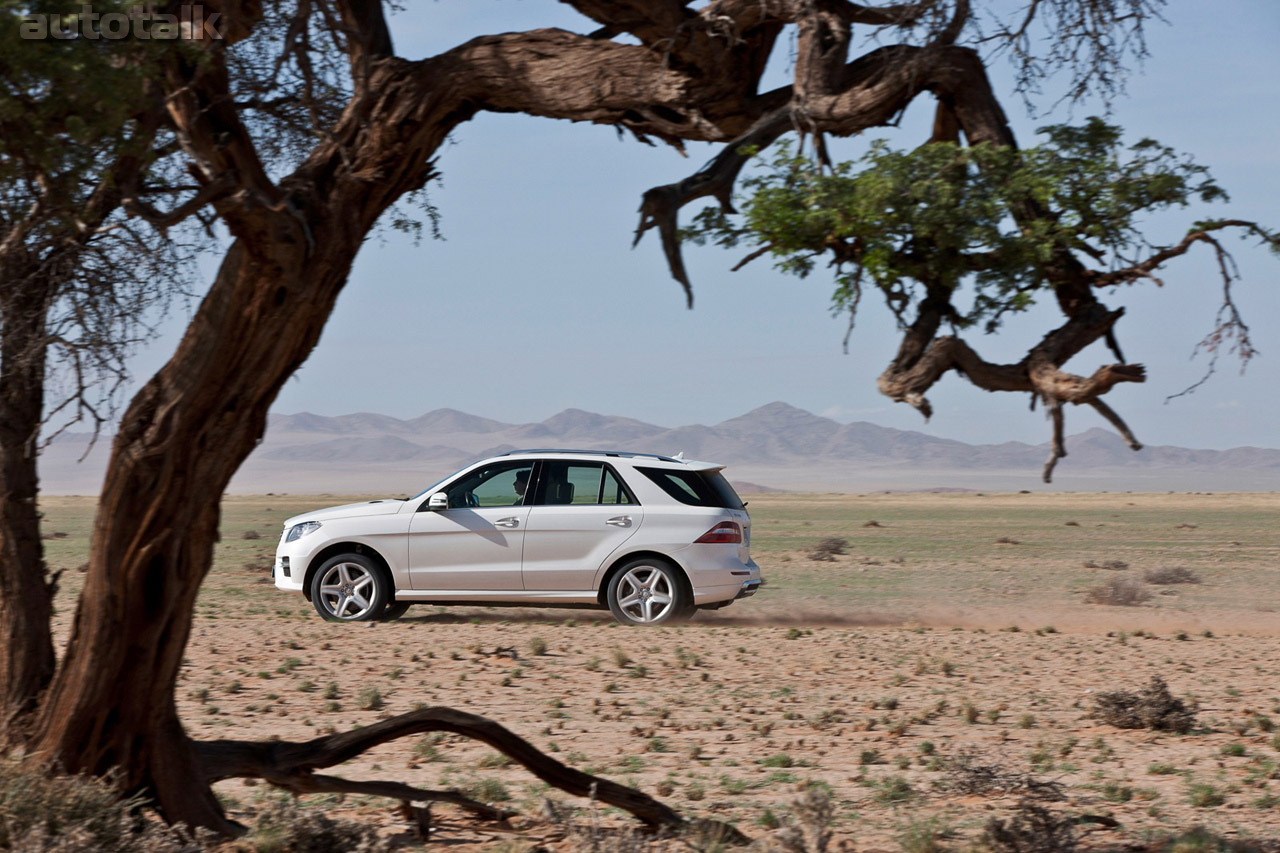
<point x="535" y="302"/>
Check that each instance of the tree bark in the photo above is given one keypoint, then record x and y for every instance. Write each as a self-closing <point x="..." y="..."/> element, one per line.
<point x="26" y="593"/>
<point x="111" y="704"/>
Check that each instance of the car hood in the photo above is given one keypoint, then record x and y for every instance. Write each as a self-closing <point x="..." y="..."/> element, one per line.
<point x="387" y="506"/>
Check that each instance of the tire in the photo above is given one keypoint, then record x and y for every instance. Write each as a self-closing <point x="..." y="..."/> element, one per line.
<point x="395" y="610"/>
<point x="648" y="591"/>
<point x="350" y="588"/>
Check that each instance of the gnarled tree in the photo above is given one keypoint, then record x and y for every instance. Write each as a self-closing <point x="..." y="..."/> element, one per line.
<point x="659" y="69"/>
<point x="81" y="137"/>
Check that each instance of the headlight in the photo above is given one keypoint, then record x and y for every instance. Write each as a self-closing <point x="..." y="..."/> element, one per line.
<point x="300" y="530"/>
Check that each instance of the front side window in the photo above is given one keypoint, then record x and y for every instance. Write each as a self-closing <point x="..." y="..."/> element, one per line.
<point x="500" y="484"/>
<point x="569" y="483"/>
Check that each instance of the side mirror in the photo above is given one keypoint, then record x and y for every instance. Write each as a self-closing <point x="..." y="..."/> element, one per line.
<point x="438" y="501"/>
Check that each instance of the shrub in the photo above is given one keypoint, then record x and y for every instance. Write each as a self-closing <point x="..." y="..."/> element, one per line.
<point x="1197" y="839"/>
<point x="1031" y="829"/>
<point x="923" y="836"/>
<point x="1120" y="592"/>
<point x="43" y="811"/>
<point x="1171" y="575"/>
<point x="1153" y="707"/>
<point x="893" y="789"/>
<point x="251" y="534"/>
<point x="966" y="774"/>
<point x="809" y="826"/>
<point x="827" y="550"/>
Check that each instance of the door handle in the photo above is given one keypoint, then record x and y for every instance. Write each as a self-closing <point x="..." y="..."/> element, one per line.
<point x="620" y="521"/>
<point x="507" y="522"/>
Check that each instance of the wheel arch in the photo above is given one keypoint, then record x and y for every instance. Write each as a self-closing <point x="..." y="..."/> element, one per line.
<point x="616" y="565"/>
<point x="348" y="548"/>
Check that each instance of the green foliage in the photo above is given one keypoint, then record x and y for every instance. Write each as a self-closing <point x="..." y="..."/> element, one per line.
<point x="65" y="104"/>
<point x="944" y="216"/>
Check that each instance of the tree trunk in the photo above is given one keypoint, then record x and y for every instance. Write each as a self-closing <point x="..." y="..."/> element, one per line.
<point x="111" y="704"/>
<point x="27" y="659"/>
<point x="184" y="435"/>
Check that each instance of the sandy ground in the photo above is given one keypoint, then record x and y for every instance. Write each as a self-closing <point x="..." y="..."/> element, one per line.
<point x="734" y="715"/>
<point x="730" y="721"/>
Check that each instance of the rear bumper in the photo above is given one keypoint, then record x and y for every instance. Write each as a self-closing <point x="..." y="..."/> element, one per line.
<point x="723" y="585"/>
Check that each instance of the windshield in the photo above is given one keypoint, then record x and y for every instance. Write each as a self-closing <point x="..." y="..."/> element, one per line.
<point x="430" y="488"/>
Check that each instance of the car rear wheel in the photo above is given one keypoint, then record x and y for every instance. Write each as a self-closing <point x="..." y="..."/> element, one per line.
<point x="350" y="588"/>
<point x="648" y="592"/>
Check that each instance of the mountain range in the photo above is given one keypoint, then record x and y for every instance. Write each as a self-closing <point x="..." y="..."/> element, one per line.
<point x="774" y="447"/>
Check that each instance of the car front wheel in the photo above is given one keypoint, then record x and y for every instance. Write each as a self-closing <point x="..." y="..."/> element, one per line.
<point x="648" y="592"/>
<point x="395" y="610"/>
<point x="350" y="588"/>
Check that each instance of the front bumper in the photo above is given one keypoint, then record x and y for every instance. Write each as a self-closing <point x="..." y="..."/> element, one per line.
<point x="289" y="567"/>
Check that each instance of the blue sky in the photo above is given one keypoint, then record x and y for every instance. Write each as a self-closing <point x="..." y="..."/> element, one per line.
<point x="535" y="301"/>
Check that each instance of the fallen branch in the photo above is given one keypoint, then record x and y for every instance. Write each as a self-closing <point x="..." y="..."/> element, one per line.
<point x="291" y="765"/>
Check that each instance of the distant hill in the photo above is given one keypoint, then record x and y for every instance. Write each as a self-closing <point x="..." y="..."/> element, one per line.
<point x="773" y="447"/>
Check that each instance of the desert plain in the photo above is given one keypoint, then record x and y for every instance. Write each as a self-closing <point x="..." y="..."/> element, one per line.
<point x="930" y="681"/>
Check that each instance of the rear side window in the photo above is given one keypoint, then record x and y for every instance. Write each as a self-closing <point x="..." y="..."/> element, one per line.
<point x="580" y="484"/>
<point x="696" y="488"/>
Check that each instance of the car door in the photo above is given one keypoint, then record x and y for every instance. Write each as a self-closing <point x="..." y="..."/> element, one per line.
<point x="582" y="513"/>
<point x="478" y="542"/>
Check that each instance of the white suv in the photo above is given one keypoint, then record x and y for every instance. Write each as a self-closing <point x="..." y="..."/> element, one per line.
<point x="650" y="537"/>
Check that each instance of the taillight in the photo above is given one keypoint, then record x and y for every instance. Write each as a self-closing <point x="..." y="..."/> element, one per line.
<point x="726" y="532"/>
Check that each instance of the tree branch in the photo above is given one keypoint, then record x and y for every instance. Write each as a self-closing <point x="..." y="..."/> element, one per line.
<point x="864" y="93"/>
<point x="294" y="762"/>
<point x="1058" y="447"/>
<point x="369" y="37"/>
<point x="651" y="21"/>
<point x="660" y="206"/>
<point x="219" y="188"/>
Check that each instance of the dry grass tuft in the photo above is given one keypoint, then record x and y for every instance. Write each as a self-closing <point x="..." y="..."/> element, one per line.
<point x="1118" y="592"/>
<point x="1171" y="575"/>
<point x="828" y="549"/>
<point x="44" y="812"/>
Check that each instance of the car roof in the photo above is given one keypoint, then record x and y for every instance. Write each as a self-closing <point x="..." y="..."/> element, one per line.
<point x="615" y="454"/>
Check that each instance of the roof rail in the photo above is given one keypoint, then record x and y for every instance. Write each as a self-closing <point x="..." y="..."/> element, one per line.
<point x="627" y="454"/>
